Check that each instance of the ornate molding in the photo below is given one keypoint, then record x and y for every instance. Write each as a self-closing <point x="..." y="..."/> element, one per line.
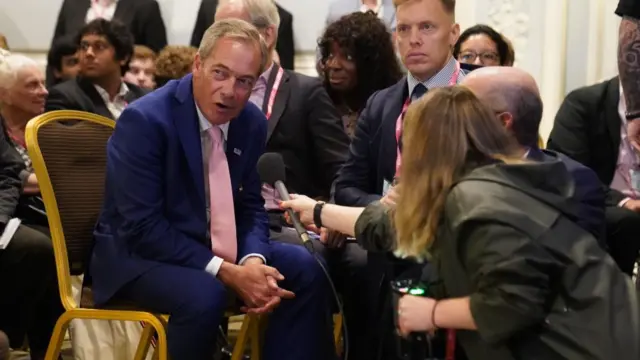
<point x="505" y="17"/>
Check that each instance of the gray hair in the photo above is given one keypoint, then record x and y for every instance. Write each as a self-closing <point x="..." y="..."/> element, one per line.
<point x="10" y="65"/>
<point x="263" y="13"/>
<point x="235" y="29"/>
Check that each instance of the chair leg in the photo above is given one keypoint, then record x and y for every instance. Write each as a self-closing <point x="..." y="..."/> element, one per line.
<point x="243" y="338"/>
<point x="256" y="336"/>
<point x="337" y="332"/>
<point x="55" y="344"/>
<point x="145" y="342"/>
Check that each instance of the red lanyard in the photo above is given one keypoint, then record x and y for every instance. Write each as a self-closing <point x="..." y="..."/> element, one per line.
<point x="15" y="139"/>
<point x="399" y="122"/>
<point x="274" y="91"/>
<point x="451" y="345"/>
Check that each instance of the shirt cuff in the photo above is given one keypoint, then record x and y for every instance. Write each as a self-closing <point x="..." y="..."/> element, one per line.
<point x="623" y="202"/>
<point x="241" y="262"/>
<point x="214" y="266"/>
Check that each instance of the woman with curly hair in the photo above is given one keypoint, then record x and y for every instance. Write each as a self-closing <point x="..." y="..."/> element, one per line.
<point x="174" y="62"/>
<point x="357" y="59"/>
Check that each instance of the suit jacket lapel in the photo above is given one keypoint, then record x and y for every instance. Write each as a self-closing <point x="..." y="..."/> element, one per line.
<point x="235" y="146"/>
<point x="390" y="114"/>
<point x="99" y="106"/>
<point x="280" y="103"/>
<point x="77" y="16"/>
<point x="611" y="116"/>
<point x="124" y="11"/>
<point x="185" y="118"/>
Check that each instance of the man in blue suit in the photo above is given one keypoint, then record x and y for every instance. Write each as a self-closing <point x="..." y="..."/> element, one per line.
<point x="514" y="96"/>
<point x="184" y="222"/>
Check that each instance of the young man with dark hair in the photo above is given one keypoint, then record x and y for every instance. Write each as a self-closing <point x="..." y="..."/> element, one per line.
<point x="63" y="61"/>
<point x="106" y="48"/>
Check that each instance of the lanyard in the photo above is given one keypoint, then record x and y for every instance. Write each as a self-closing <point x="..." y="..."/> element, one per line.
<point x="451" y="345"/>
<point x="274" y="91"/>
<point x="16" y="139"/>
<point x="400" y="122"/>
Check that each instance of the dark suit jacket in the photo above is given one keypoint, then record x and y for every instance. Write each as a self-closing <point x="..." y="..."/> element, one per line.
<point x="80" y="94"/>
<point x="142" y="17"/>
<point x="587" y="129"/>
<point x="589" y="192"/>
<point x="285" y="46"/>
<point x="154" y="210"/>
<point x="372" y="157"/>
<point x="306" y="129"/>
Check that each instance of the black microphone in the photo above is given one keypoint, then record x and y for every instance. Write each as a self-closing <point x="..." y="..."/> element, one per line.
<point x="272" y="171"/>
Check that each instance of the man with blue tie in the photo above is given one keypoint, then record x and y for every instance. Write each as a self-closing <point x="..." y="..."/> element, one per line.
<point x="183" y="221"/>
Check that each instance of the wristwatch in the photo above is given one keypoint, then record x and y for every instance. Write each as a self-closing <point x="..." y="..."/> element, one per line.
<point x="317" y="211"/>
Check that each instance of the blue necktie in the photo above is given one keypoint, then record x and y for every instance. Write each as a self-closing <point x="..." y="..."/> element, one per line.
<point x="416" y="94"/>
<point x="418" y="91"/>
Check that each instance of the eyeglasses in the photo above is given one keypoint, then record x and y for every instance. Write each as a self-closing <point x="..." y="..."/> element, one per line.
<point x="485" y="57"/>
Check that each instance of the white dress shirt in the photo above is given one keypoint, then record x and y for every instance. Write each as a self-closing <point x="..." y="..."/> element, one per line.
<point x="101" y="9"/>
<point x="205" y="140"/>
<point x="117" y="105"/>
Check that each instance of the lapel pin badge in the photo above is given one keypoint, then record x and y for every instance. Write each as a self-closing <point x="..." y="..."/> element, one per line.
<point x="237" y="151"/>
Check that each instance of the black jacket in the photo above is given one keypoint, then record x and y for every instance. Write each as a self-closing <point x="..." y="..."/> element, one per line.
<point x="11" y="166"/>
<point x="540" y="286"/>
<point x="80" y="94"/>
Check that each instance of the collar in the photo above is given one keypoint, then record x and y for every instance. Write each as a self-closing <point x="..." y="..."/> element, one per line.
<point x="364" y="7"/>
<point x="441" y="79"/>
<point x="205" y="125"/>
<point x="265" y="75"/>
<point x="124" y="90"/>
<point x="104" y="3"/>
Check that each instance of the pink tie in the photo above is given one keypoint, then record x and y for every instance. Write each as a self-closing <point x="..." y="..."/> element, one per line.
<point x="223" y="221"/>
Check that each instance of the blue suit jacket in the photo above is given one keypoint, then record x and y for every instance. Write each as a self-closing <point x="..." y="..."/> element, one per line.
<point x="154" y="211"/>
<point x="589" y="192"/>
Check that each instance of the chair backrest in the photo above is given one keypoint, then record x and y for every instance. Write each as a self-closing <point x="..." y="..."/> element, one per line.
<point x="68" y="152"/>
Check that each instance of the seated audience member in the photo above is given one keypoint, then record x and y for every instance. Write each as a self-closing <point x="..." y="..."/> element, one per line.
<point x="482" y="45"/>
<point x="173" y="63"/>
<point x="508" y="288"/>
<point x="105" y="50"/>
<point x="63" y="60"/>
<point x="176" y="238"/>
<point x="3" y="42"/>
<point x="142" y="68"/>
<point x="358" y="59"/>
<point x="23" y="98"/>
<point x="513" y="95"/>
<point x="590" y="127"/>
<point x="304" y="126"/>
<point x="29" y="300"/>
<point x="285" y="47"/>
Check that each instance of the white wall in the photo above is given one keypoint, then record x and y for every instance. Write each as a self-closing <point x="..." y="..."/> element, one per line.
<point x="564" y="44"/>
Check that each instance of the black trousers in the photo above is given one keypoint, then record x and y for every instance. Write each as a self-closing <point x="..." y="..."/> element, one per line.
<point x="623" y="241"/>
<point x="30" y="302"/>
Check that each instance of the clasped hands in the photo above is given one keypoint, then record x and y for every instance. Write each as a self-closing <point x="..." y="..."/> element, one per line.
<point x="256" y="284"/>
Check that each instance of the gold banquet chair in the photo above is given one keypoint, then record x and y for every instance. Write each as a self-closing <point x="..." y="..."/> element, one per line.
<point x="68" y="152"/>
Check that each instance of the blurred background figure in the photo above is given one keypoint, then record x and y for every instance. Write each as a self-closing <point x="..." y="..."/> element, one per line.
<point x="63" y="60"/>
<point x="285" y="47"/>
<point x="3" y="42"/>
<point x="358" y="59"/>
<point x="482" y="45"/>
<point x="383" y="9"/>
<point x="174" y="62"/>
<point x="142" y="68"/>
